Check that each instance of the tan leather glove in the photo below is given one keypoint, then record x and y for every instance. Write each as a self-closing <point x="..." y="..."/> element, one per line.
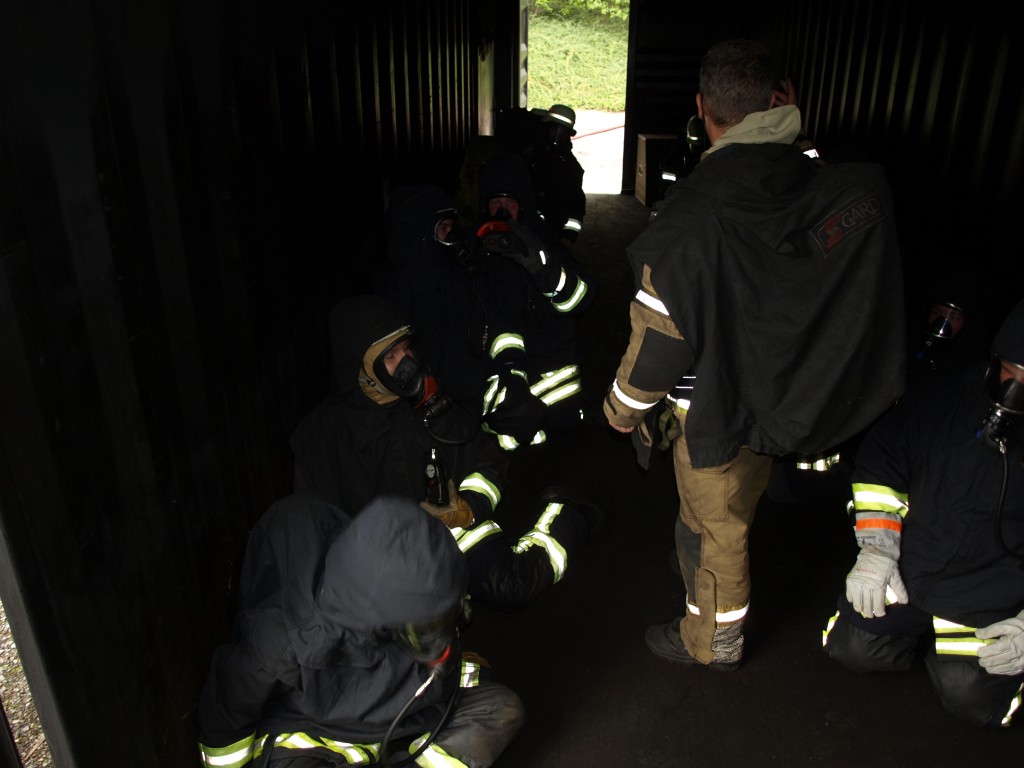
<point x="458" y="513"/>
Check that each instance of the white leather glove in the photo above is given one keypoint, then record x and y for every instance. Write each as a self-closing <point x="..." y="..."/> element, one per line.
<point x="1005" y="654"/>
<point x="874" y="578"/>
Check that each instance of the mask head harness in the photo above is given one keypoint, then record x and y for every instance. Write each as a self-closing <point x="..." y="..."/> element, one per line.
<point x="1004" y="381"/>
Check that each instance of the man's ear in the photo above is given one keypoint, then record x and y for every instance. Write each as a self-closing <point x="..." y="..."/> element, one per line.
<point x="700" y="107"/>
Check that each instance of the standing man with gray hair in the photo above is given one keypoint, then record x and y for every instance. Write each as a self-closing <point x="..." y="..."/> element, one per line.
<point x="768" y="321"/>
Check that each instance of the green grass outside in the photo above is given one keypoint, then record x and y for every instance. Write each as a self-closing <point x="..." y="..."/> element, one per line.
<point x="580" y="62"/>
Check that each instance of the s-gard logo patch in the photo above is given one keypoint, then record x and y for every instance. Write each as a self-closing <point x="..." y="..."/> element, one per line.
<point x="864" y="212"/>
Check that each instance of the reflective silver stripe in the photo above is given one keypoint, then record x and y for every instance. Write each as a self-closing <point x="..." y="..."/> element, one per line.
<point x="724" y="617"/>
<point x="479" y="484"/>
<point x="668" y="176"/>
<point x="812" y="153"/>
<point x="561" y="284"/>
<point x="469" y="539"/>
<point x="543" y="257"/>
<point x="573" y="301"/>
<point x="649" y="301"/>
<point x="505" y="341"/>
<point x="574" y="224"/>
<point x="636" y="405"/>
<point x="820" y="465"/>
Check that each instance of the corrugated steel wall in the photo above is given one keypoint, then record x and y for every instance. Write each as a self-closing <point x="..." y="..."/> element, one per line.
<point x="936" y="96"/>
<point x="186" y="187"/>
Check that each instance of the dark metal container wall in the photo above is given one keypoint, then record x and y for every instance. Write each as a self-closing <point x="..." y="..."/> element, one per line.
<point x="186" y="187"/>
<point x="935" y="97"/>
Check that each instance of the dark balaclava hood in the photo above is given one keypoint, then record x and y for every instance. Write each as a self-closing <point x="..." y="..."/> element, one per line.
<point x="507" y="176"/>
<point x="1009" y="341"/>
<point x="395" y="564"/>
<point x="358" y="325"/>
<point x="414" y="213"/>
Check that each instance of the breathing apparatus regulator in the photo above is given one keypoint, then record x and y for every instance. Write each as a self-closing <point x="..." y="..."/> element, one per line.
<point x="450" y="243"/>
<point x="435" y="645"/>
<point x="945" y="320"/>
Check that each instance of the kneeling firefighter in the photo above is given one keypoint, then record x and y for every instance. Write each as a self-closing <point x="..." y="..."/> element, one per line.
<point x="387" y="428"/>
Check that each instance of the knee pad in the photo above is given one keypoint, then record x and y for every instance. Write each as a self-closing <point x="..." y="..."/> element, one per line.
<point x="862" y="651"/>
<point x="968" y="692"/>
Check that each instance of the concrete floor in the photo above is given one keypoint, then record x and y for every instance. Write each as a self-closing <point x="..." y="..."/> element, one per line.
<point x="595" y="695"/>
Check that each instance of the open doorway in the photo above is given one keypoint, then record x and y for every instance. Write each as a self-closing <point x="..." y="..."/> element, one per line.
<point x="578" y="56"/>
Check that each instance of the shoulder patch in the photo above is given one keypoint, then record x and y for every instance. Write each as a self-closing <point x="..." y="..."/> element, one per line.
<point x="863" y="212"/>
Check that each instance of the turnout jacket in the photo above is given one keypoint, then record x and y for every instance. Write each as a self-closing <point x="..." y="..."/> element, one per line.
<point x="923" y="473"/>
<point x="778" y="283"/>
<point x="307" y="658"/>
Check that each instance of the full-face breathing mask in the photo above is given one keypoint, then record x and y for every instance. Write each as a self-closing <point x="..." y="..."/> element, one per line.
<point x="1004" y="390"/>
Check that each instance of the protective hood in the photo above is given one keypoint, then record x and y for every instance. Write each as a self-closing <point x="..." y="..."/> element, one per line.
<point x="1009" y="341"/>
<point x="358" y="323"/>
<point x="394" y="565"/>
<point x="507" y="176"/>
<point x="414" y="213"/>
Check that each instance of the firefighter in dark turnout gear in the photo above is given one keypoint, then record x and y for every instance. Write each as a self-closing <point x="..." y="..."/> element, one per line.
<point x="386" y="426"/>
<point x="346" y="648"/>
<point x="556" y="174"/>
<point x="938" y="500"/>
<point x="439" y="281"/>
<point x="537" y="346"/>
<point x="767" y="319"/>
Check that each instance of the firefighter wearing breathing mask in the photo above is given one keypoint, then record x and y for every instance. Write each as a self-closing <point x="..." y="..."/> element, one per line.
<point x="938" y="500"/>
<point x="535" y="390"/>
<point x="346" y="649"/>
<point x="389" y="428"/>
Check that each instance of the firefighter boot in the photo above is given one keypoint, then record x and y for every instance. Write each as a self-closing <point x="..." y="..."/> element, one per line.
<point x="727" y="644"/>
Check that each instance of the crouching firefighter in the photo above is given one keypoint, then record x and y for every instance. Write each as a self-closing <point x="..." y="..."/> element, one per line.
<point x="388" y="428"/>
<point x="938" y="501"/>
<point x="346" y="648"/>
<point x="535" y="390"/>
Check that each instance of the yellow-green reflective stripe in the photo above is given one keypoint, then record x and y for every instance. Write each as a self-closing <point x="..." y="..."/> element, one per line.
<point x="433" y="756"/>
<point x="478" y="533"/>
<point x="562" y="392"/>
<point x="552" y="379"/>
<point x="508" y="442"/>
<point x="1014" y="705"/>
<point x="560" y="286"/>
<point x="469" y="676"/>
<point x="573" y="301"/>
<point x="723" y="617"/>
<point x="480" y="484"/>
<point x="828" y="628"/>
<point x="556" y="554"/>
<point x="952" y="639"/>
<point x="879" y="497"/>
<point x="231" y="756"/>
<point x="505" y="341"/>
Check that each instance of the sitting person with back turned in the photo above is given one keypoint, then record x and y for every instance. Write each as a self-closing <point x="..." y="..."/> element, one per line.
<point x="346" y="648"/>
<point x="388" y="429"/>
<point x="768" y="320"/>
<point x="938" y="499"/>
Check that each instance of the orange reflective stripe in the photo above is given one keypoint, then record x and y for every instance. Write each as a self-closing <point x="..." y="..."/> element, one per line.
<point x="892" y="525"/>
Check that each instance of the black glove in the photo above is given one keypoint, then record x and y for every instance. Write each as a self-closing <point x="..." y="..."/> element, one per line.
<point x="520" y="414"/>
